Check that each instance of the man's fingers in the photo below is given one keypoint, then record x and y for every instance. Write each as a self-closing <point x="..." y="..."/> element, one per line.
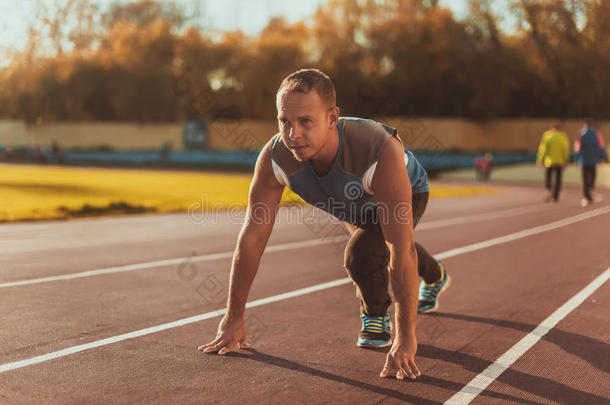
<point x="403" y="370"/>
<point x="414" y="368"/>
<point x="227" y="349"/>
<point x="223" y="346"/>
<point x="243" y="344"/>
<point x="205" y="346"/>
<point x="216" y="347"/>
<point x="387" y="368"/>
<point x="385" y="372"/>
<point x="407" y="372"/>
<point x="211" y="349"/>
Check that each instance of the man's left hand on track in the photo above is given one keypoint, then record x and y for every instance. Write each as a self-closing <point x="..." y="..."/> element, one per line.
<point x="400" y="360"/>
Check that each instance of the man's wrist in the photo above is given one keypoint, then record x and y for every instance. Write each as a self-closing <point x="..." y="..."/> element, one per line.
<point x="405" y="334"/>
<point x="405" y="329"/>
<point x="405" y="320"/>
<point x="235" y="312"/>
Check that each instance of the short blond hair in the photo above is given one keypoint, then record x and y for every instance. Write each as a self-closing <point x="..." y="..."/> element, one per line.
<point x="304" y="80"/>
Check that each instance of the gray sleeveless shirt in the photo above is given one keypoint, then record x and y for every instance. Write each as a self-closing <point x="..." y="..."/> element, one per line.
<point x="345" y="191"/>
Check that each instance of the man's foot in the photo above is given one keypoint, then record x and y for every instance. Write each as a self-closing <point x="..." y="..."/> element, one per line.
<point x="375" y="331"/>
<point x="428" y="293"/>
<point x="584" y="202"/>
<point x="548" y="196"/>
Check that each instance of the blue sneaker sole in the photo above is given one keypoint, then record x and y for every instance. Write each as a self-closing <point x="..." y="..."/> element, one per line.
<point x="373" y="343"/>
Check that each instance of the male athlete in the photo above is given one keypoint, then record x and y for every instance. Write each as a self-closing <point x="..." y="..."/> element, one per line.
<point x="358" y="171"/>
<point x="590" y="151"/>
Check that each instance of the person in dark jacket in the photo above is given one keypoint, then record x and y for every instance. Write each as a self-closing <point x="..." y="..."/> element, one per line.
<point x="590" y="150"/>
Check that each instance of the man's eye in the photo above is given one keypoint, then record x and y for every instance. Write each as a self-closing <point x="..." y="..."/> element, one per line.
<point x="305" y="121"/>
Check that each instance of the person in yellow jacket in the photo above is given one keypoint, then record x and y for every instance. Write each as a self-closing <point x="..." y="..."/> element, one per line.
<point x="553" y="154"/>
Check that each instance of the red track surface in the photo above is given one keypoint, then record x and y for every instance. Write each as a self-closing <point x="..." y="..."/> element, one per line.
<point x="305" y="346"/>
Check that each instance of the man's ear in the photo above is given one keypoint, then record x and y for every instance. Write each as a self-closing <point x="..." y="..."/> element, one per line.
<point x="334" y="116"/>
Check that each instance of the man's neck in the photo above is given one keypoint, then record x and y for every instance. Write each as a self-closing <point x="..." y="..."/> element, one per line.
<point x="323" y="161"/>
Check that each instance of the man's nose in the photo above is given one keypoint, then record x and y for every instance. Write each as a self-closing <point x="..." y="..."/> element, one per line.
<point x="295" y="133"/>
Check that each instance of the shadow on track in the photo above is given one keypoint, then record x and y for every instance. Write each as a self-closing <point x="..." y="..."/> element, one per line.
<point x="593" y="351"/>
<point x="254" y="355"/>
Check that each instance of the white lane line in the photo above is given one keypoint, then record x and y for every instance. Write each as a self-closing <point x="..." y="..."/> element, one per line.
<point x="441" y="223"/>
<point x="482" y="381"/>
<point x="196" y="318"/>
<point x="169" y="262"/>
<point x="522" y="234"/>
<point x="276" y="248"/>
<point x="154" y="329"/>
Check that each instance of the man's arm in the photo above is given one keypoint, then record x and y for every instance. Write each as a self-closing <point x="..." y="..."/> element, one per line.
<point x="393" y="193"/>
<point x="565" y="145"/>
<point x="603" y="155"/>
<point x="264" y="198"/>
<point x="541" y="151"/>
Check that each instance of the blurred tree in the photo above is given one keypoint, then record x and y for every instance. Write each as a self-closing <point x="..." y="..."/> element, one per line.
<point x="339" y="41"/>
<point x="139" y="61"/>
<point x="386" y="57"/>
<point x="551" y="27"/>
<point x="429" y="54"/>
<point x="493" y="67"/>
<point x="596" y="36"/>
<point x="67" y="23"/>
<point x="276" y="52"/>
<point x="142" y="13"/>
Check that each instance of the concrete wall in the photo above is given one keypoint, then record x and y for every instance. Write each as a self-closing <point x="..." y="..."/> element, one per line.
<point x="116" y="135"/>
<point x="437" y="133"/>
<point x="505" y="135"/>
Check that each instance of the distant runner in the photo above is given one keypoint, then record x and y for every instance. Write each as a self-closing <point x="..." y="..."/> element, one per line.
<point x="358" y="171"/>
<point x="553" y="154"/>
<point x="590" y="150"/>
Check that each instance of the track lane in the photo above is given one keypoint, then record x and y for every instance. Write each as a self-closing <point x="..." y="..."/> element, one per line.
<point x="32" y="250"/>
<point x="570" y="365"/>
<point x="302" y="359"/>
<point x="152" y="290"/>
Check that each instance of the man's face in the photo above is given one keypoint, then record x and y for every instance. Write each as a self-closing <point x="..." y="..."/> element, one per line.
<point x="305" y="123"/>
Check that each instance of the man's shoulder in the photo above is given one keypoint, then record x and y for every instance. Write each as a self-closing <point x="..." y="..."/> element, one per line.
<point x="273" y="145"/>
<point x="363" y="141"/>
<point x="282" y="157"/>
<point x="555" y="135"/>
<point x="365" y="133"/>
<point x="365" y="126"/>
<point x="563" y="136"/>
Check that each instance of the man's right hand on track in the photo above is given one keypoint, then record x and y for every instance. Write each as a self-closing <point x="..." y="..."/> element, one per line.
<point x="231" y="332"/>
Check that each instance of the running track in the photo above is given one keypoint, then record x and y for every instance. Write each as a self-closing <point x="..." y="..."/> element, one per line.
<point x="112" y="310"/>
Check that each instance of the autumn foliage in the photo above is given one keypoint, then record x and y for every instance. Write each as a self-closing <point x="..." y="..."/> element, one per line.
<point x="143" y="62"/>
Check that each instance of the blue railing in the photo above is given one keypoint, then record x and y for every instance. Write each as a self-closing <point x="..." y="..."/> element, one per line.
<point x="433" y="161"/>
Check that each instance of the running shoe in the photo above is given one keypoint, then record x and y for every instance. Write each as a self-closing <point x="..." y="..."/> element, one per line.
<point x="375" y="331"/>
<point x="428" y="293"/>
